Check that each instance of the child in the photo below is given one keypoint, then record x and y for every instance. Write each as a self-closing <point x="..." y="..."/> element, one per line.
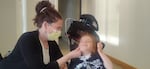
<point x="92" y="55"/>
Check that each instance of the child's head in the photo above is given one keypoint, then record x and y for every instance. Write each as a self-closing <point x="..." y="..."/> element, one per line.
<point x="87" y="43"/>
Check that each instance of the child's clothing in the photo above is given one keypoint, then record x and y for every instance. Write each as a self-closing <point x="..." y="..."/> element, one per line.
<point x="93" y="61"/>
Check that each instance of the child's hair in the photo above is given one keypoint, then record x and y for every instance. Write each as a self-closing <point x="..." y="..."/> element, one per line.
<point x="93" y="37"/>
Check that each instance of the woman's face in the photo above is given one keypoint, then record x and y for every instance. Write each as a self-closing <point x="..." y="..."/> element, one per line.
<point x="86" y="45"/>
<point x="56" y="25"/>
<point x="54" y="30"/>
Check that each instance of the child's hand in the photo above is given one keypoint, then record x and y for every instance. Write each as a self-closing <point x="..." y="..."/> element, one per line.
<point x="99" y="47"/>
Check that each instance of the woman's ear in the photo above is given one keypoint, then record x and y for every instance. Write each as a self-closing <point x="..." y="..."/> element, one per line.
<point x="45" y="24"/>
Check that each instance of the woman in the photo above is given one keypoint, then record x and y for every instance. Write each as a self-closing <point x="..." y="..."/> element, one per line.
<point x="38" y="49"/>
<point x="92" y="54"/>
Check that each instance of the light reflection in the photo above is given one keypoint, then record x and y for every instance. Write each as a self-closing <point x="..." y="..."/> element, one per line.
<point x="113" y="40"/>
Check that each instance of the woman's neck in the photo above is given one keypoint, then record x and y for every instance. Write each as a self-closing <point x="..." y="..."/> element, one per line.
<point x="42" y="38"/>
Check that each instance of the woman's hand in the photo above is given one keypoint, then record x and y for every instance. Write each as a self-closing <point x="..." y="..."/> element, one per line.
<point x="75" y="53"/>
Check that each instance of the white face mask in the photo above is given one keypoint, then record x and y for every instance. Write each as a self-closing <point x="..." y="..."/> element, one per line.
<point x="54" y="35"/>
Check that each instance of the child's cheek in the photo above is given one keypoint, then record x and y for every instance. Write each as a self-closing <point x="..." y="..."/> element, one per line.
<point x="82" y="48"/>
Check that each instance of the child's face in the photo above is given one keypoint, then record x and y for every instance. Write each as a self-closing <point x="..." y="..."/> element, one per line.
<point x="86" y="44"/>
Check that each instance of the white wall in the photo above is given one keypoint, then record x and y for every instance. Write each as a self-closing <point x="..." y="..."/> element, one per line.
<point x="127" y="21"/>
<point x="8" y="25"/>
<point x="12" y="26"/>
<point x="16" y="17"/>
<point x="31" y="14"/>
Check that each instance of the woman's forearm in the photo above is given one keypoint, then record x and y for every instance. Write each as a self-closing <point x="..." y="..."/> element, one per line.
<point x="63" y="60"/>
<point x="73" y="54"/>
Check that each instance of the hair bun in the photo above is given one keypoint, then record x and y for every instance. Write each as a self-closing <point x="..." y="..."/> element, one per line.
<point x="42" y="5"/>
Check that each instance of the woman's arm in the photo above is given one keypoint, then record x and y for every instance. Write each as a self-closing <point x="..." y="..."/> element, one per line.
<point x="106" y="60"/>
<point x="73" y="54"/>
<point x="32" y="54"/>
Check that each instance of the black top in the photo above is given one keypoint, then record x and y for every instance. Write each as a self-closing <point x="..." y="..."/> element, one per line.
<point x="1" y="57"/>
<point x="27" y="54"/>
<point x="93" y="62"/>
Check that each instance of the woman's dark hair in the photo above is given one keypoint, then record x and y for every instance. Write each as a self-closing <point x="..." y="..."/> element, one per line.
<point x="45" y="11"/>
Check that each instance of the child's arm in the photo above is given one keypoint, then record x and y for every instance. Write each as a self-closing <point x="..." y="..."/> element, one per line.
<point x="106" y="60"/>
